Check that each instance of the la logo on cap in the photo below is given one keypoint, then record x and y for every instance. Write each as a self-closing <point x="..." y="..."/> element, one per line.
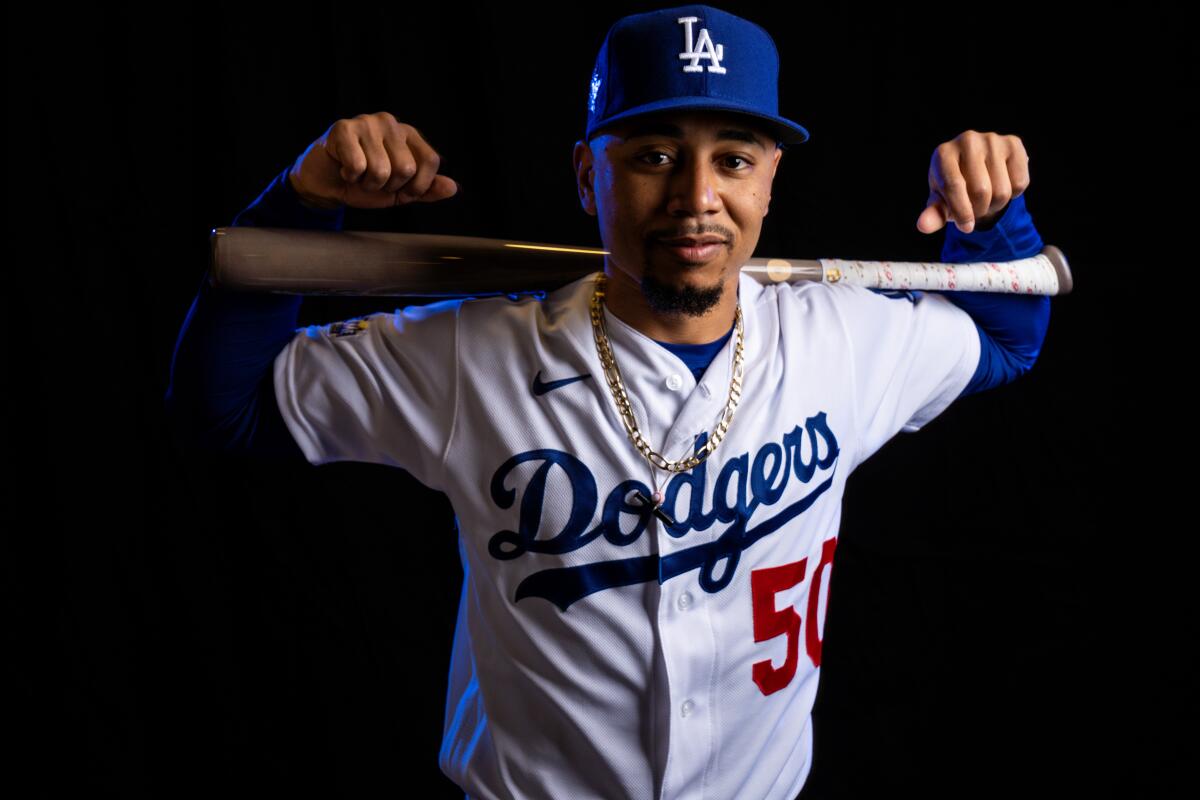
<point x="701" y="49"/>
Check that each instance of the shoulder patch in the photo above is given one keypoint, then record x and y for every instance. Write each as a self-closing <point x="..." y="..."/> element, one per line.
<point x="349" y="327"/>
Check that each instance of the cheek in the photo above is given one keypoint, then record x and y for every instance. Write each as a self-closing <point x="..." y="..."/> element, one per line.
<point x="625" y="202"/>
<point x="610" y="210"/>
<point x="762" y="196"/>
<point x="753" y="208"/>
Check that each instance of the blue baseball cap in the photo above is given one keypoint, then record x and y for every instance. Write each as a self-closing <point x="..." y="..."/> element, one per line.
<point x="683" y="58"/>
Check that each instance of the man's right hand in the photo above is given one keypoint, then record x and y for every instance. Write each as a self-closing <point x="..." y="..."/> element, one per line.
<point x="370" y="161"/>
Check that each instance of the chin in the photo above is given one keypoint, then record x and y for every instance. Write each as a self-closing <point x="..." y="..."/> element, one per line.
<point x="663" y="262"/>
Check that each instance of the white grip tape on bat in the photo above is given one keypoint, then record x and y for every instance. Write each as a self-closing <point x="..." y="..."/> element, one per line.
<point x="1034" y="275"/>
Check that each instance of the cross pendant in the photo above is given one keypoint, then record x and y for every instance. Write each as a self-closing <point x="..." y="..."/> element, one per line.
<point x="655" y="508"/>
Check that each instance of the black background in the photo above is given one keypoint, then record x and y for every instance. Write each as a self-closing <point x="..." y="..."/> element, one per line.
<point x="1004" y="616"/>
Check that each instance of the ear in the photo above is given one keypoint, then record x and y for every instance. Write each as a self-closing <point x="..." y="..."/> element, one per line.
<point x="584" y="163"/>
<point x="778" y="154"/>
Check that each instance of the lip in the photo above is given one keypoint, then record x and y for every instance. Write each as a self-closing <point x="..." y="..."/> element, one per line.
<point x="694" y="254"/>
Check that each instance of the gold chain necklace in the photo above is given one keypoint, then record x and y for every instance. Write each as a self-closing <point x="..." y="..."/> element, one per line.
<point x="617" y="387"/>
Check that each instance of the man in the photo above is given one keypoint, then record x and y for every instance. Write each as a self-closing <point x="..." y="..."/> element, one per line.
<point x="646" y="465"/>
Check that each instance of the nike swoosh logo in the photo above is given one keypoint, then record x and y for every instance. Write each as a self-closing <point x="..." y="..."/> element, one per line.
<point x="541" y="388"/>
<point x="895" y="294"/>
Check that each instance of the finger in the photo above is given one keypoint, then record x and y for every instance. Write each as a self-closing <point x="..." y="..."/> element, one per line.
<point x="379" y="163"/>
<point x="952" y="187"/>
<point x="978" y="183"/>
<point x="404" y="163"/>
<point x="1018" y="167"/>
<point x="428" y="163"/>
<point x="997" y="167"/>
<point x="344" y="148"/>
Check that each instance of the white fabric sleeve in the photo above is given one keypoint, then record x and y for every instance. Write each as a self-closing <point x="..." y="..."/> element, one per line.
<point x="380" y="389"/>
<point x="912" y="354"/>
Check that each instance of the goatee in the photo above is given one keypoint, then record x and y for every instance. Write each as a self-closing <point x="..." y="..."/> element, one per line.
<point x="683" y="300"/>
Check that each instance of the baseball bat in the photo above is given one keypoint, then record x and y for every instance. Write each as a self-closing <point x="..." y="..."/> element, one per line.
<point x="291" y="261"/>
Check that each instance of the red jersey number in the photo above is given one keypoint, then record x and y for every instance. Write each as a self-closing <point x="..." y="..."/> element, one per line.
<point x="770" y="622"/>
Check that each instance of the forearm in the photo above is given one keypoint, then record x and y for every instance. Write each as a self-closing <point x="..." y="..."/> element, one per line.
<point x="1012" y="327"/>
<point x="221" y="395"/>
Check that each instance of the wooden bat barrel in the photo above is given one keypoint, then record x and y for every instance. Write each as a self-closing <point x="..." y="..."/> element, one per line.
<point x="292" y="261"/>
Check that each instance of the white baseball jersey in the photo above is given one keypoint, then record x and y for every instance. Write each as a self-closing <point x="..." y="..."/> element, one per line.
<point x="600" y="652"/>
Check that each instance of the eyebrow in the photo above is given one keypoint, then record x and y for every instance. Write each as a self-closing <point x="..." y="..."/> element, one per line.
<point x="670" y="129"/>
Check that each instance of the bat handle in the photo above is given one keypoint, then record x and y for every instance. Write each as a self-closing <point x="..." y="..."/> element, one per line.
<point x="1046" y="273"/>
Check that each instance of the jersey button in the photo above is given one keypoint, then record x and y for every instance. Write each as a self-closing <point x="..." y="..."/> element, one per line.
<point x="674" y="382"/>
<point x="687" y="707"/>
<point x="704" y="390"/>
<point x="685" y="601"/>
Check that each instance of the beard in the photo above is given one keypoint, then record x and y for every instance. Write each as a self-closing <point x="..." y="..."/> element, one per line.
<point x="686" y="300"/>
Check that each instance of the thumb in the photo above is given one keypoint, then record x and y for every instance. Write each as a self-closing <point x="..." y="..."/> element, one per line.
<point x="933" y="218"/>
<point x="441" y="188"/>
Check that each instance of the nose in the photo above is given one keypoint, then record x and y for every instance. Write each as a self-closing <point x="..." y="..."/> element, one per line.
<point x="694" y="189"/>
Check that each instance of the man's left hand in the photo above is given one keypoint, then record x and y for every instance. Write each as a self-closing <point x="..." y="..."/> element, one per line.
<point x="972" y="178"/>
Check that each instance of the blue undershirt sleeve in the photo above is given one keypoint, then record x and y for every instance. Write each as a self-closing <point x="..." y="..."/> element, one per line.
<point x="1011" y="327"/>
<point x="221" y="396"/>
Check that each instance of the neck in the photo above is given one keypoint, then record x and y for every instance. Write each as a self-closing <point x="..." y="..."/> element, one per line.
<point x="625" y="300"/>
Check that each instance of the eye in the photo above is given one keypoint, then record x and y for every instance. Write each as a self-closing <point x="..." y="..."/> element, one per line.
<point x="736" y="163"/>
<point x="651" y="154"/>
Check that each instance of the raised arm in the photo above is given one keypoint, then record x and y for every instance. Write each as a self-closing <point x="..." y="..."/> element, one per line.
<point x="978" y="181"/>
<point x="221" y="395"/>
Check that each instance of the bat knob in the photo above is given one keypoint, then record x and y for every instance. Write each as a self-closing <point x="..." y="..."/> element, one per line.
<point x="1061" y="268"/>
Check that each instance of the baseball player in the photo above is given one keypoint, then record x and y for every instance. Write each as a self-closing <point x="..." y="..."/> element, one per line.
<point x="647" y="464"/>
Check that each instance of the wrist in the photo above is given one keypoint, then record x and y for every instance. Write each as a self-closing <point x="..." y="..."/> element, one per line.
<point x="988" y="222"/>
<point x="308" y="200"/>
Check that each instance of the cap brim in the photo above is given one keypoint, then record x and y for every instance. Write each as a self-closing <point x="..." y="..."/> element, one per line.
<point x="783" y="130"/>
